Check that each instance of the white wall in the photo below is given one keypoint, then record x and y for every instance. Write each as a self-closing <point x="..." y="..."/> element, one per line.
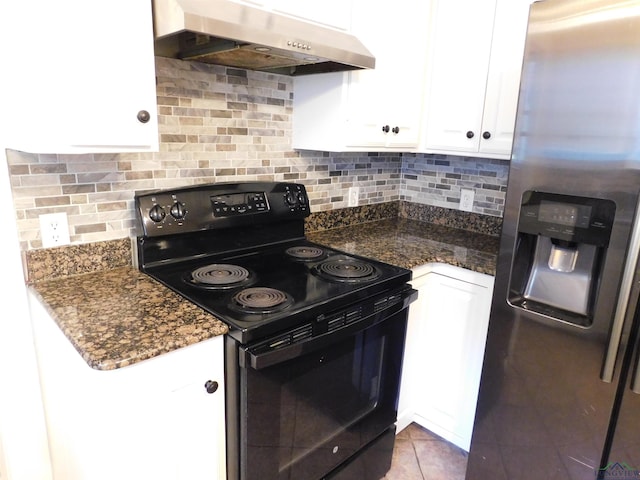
<point x="23" y="444"/>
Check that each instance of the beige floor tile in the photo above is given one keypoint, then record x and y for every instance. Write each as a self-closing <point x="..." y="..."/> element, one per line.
<point x="422" y="455"/>
<point x="404" y="465"/>
<point x="440" y="460"/>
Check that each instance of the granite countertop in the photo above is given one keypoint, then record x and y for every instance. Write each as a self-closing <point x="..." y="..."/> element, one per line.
<point x="121" y="316"/>
<point x="117" y="315"/>
<point x="410" y="243"/>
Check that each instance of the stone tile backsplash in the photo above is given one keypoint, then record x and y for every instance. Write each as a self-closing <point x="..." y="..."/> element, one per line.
<point x="437" y="179"/>
<point x="218" y="124"/>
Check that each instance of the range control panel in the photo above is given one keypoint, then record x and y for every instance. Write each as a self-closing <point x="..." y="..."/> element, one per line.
<point x="232" y="204"/>
<point x="223" y="205"/>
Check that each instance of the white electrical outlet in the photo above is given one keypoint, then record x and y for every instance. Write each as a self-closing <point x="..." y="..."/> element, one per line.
<point x="54" y="229"/>
<point x="354" y="193"/>
<point x="466" y="199"/>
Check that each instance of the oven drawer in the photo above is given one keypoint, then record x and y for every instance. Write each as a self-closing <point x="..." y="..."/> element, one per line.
<point x="374" y="461"/>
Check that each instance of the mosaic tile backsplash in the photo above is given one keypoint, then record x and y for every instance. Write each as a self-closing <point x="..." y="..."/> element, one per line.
<point x="218" y="124"/>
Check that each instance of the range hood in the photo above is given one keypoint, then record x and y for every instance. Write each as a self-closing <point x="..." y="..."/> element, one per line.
<point x="228" y="33"/>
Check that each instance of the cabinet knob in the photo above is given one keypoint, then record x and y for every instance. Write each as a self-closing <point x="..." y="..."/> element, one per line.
<point x="395" y="130"/>
<point x="385" y="129"/>
<point x="211" y="386"/>
<point x="470" y="134"/>
<point x="486" y="135"/>
<point x="143" y="116"/>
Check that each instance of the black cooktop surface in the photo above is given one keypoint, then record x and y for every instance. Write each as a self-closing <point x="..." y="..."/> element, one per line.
<point x="263" y="290"/>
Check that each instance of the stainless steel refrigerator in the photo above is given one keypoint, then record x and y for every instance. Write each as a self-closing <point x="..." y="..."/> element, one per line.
<point x="558" y="391"/>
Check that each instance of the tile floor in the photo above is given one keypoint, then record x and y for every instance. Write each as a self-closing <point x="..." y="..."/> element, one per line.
<point x="422" y="455"/>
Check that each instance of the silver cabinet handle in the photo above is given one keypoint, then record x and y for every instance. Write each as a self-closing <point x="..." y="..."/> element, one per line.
<point x="623" y="299"/>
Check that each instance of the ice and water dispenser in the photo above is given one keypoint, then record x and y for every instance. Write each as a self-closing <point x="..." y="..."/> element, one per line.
<point x="560" y="248"/>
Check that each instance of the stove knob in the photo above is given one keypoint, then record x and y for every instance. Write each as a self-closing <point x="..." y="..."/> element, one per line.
<point x="291" y="199"/>
<point x="301" y="198"/>
<point x="157" y="213"/>
<point x="178" y="211"/>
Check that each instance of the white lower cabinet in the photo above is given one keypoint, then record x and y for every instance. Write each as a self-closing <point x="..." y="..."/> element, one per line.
<point x="152" y="420"/>
<point x="444" y="351"/>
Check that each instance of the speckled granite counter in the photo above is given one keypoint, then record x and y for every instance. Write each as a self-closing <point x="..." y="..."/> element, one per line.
<point x="118" y="317"/>
<point x="115" y="316"/>
<point x="410" y="243"/>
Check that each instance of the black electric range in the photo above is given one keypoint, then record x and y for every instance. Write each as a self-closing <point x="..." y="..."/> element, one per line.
<point x="239" y="252"/>
<point x="314" y="352"/>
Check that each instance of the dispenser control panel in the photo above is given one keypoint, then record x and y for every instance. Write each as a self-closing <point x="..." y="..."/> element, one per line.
<point x="567" y="217"/>
<point x="565" y="214"/>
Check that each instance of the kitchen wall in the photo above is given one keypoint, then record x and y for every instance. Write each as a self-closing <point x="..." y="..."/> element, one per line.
<point x="219" y="124"/>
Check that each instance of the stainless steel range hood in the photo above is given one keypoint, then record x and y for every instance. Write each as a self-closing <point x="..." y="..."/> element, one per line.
<point x="229" y="33"/>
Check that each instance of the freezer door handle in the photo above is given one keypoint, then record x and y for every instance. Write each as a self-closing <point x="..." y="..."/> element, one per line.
<point x="623" y="300"/>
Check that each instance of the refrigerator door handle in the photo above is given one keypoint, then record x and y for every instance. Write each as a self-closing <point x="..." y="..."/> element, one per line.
<point x="635" y="381"/>
<point x="623" y="299"/>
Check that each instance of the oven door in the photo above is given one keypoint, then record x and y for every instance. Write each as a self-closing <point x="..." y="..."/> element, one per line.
<point x="317" y="404"/>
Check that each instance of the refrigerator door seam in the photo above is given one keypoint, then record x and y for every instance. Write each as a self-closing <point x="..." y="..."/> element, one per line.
<point x="623" y="299"/>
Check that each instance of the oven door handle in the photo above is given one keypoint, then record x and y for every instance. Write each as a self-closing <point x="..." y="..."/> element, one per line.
<point x="259" y="361"/>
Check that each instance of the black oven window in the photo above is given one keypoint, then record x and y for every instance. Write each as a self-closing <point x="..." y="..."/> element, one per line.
<point x="332" y="392"/>
<point x="318" y="409"/>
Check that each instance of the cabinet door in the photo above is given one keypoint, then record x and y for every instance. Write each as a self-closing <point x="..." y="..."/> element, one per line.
<point x="458" y="65"/>
<point x="347" y="111"/>
<point x="390" y="95"/>
<point x="86" y="76"/>
<point x="412" y="365"/>
<point x="198" y="439"/>
<point x="452" y="337"/>
<point x="366" y="107"/>
<point x="503" y="82"/>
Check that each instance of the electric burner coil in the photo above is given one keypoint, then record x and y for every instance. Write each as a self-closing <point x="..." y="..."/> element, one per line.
<point x="261" y="300"/>
<point x="305" y="253"/>
<point x="347" y="270"/>
<point x="219" y="276"/>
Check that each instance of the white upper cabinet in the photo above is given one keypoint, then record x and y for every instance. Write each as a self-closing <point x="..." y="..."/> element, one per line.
<point x="369" y="110"/>
<point x="84" y="77"/>
<point x="475" y="60"/>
